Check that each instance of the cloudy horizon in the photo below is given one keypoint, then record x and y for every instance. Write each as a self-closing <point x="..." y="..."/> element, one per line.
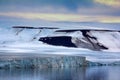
<point x="104" y="11"/>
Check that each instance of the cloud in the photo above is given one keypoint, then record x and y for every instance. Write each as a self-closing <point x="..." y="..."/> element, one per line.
<point x="62" y="17"/>
<point x="69" y="4"/>
<point x="92" y="7"/>
<point x="62" y="10"/>
<point x="113" y="3"/>
<point x="44" y="6"/>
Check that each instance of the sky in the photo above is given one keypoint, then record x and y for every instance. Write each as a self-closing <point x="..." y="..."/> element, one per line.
<point x="104" y="11"/>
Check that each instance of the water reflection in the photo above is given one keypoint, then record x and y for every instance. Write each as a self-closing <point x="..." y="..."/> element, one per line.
<point x="90" y="73"/>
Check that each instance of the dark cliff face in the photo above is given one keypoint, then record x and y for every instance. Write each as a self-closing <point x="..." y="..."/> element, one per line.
<point x="68" y="41"/>
<point x="58" y="41"/>
<point x="95" y="45"/>
<point x="88" y="41"/>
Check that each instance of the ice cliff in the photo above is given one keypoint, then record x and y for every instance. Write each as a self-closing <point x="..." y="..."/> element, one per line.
<point x="41" y="61"/>
<point x="94" y="44"/>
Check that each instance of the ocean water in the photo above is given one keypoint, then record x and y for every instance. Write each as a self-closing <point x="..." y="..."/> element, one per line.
<point x="88" y="73"/>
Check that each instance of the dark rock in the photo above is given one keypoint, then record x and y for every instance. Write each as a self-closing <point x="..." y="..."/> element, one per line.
<point x="73" y="30"/>
<point x="28" y="27"/>
<point x="58" y="41"/>
<point x="69" y="41"/>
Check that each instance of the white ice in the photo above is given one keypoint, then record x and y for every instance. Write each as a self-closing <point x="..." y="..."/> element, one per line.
<point x="10" y="43"/>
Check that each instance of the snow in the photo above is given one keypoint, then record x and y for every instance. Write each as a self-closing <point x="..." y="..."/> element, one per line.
<point x="10" y="43"/>
<point x="110" y="39"/>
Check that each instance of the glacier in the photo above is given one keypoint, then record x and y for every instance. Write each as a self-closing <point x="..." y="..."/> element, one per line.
<point x="24" y="42"/>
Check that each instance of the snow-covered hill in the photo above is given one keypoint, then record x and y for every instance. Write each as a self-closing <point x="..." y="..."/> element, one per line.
<point x="94" y="44"/>
<point x="88" y="39"/>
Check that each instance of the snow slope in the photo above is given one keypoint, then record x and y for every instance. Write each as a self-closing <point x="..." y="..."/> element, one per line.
<point x="15" y="41"/>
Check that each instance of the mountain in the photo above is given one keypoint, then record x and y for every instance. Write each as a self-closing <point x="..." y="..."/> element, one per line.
<point x="95" y="44"/>
<point x="92" y="39"/>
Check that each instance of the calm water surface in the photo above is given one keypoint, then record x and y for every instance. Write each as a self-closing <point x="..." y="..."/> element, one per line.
<point x="90" y="73"/>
